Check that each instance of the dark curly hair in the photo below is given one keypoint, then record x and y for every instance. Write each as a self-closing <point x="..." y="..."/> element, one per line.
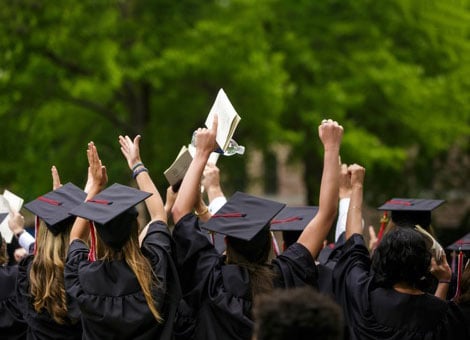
<point x="402" y="256"/>
<point x="298" y="313"/>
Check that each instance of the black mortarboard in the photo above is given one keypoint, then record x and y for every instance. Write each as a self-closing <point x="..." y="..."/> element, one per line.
<point x="54" y="207"/>
<point x="243" y="216"/>
<point x="293" y="218"/>
<point x="461" y="244"/>
<point x="112" y="211"/>
<point x="411" y="210"/>
<point x="292" y="221"/>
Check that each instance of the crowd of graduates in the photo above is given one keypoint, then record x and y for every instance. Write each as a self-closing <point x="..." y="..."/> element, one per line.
<point x="213" y="269"/>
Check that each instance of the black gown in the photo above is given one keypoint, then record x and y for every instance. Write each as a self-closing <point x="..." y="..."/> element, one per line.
<point x="41" y="325"/>
<point x="111" y="300"/>
<point x="12" y="325"/>
<point x="219" y="294"/>
<point x="373" y="312"/>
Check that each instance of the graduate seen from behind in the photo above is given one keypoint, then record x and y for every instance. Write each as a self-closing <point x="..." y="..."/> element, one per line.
<point x="381" y="298"/>
<point x="126" y="292"/>
<point x="47" y="309"/>
<point x="221" y="289"/>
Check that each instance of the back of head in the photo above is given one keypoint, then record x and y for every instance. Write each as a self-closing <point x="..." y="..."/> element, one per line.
<point x="47" y="273"/>
<point x="299" y="313"/>
<point x="253" y="256"/>
<point x="402" y="256"/>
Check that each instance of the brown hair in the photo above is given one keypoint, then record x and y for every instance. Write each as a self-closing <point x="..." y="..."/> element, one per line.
<point x="46" y="276"/>
<point x="465" y="286"/>
<point x="139" y="264"/>
<point x="3" y="252"/>
<point x="253" y="258"/>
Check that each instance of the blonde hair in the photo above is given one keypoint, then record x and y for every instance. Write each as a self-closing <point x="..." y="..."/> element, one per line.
<point x="138" y="263"/>
<point x="46" y="277"/>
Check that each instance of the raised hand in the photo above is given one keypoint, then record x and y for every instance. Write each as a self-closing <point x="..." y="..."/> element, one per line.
<point x="97" y="176"/>
<point x="205" y="138"/>
<point x="131" y="150"/>
<point x="344" y="182"/>
<point x="330" y="133"/>
<point x="16" y="222"/>
<point x="55" y="178"/>
<point x="357" y="174"/>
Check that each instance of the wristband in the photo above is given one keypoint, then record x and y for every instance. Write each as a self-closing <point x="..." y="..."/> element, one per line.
<point x="205" y="211"/>
<point x="138" y="171"/>
<point x="444" y="281"/>
<point x="136" y="165"/>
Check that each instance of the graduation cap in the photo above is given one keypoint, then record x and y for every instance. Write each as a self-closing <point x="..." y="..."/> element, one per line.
<point x="405" y="211"/>
<point x="112" y="212"/>
<point x="243" y="216"/>
<point x="54" y="207"/>
<point x="293" y="218"/>
<point x="462" y="244"/>
<point x="292" y="221"/>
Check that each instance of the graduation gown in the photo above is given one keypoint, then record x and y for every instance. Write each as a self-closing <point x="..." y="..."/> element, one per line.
<point x="373" y="312"/>
<point x="219" y="294"/>
<point x="41" y="325"/>
<point x="12" y="325"/>
<point x="111" y="300"/>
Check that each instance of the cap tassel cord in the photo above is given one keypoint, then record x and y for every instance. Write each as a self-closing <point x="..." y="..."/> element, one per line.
<point x="36" y="234"/>
<point x="287" y="220"/>
<point x="229" y="215"/>
<point x="399" y="202"/>
<point x="275" y="245"/>
<point x="459" y="275"/>
<point x="49" y="201"/>
<point x="92" y="253"/>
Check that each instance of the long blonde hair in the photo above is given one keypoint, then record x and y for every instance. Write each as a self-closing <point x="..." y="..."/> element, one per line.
<point x="138" y="263"/>
<point x="46" y="277"/>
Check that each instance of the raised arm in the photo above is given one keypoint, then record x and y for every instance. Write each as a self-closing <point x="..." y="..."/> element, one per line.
<point x="211" y="183"/>
<point x="190" y="190"/>
<point x="312" y="237"/>
<point x="131" y="151"/>
<point x="354" y="220"/>
<point x="97" y="179"/>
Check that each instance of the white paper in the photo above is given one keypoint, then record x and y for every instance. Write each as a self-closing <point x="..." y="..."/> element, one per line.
<point x="9" y="202"/>
<point x="175" y="173"/>
<point x="228" y="119"/>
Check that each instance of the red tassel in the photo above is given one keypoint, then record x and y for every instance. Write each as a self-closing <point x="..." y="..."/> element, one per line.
<point x="459" y="275"/>
<point x="36" y="234"/>
<point x="275" y="245"/>
<point x="92" y="253"/>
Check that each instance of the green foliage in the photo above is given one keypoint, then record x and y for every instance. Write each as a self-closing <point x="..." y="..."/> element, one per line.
<point x="394" y="73"/>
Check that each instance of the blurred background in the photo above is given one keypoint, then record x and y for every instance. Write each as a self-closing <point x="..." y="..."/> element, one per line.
<point x="395" y="74"/>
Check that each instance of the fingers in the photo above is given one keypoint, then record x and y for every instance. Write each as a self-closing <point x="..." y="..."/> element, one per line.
<point x="372" y="234"/>
<point x="55" y="178"/>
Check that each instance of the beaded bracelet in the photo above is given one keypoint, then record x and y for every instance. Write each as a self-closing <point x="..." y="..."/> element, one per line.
<point x="137" y="165"/>
<point x="138" y="171"/>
